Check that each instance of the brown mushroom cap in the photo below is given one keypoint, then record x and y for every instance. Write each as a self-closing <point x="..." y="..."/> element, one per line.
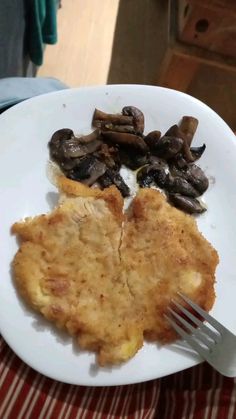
<point x="180" y="185"/>
<point x="167" y="147"/>
<point x="152" y="138"/>
<point x="138" y="118"/>
<point x="187" y="204"/>
<point x="88" y="170"/>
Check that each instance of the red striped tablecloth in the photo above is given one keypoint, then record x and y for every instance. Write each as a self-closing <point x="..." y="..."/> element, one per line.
<point x="198" y="392"/>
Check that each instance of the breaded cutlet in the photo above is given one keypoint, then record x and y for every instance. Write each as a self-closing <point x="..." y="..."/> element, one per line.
<point x="68" y="268"/>
<point x="164" y="253"/>
<point x="108" y="277"/>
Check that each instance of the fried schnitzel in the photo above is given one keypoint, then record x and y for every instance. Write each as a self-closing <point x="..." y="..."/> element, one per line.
<point x="68" y="268"/>
<point x="107" y="277"/>
<point x="163" y="253"/>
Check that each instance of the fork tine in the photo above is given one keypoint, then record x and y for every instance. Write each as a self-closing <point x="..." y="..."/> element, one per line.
<point x="213" y="322"/>
<point x="189" y="339"/>
<point x="205" y="329"/>
<point x="196" y="332"/>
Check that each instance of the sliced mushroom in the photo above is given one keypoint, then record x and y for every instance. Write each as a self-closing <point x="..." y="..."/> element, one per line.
<point x="99" y="118"/>
<point x="65" y="146"/>
<point x="187" y="204"/>
<point x="118" y="128"/>
<point x="125" y="139"/>
<point x="179" y="161"/>
<point x="197" y="178"/>
<point x="194" y="175"/>
<point x="88" y="170"/>
<point x="175" y="131"/>
<point x="133" y="160"/>
<point x="145" y="177"/>
<point x="105" y="181"/>
<point x="187" y="152"/>
<point x="85" y="139"/>
<point x="197" y="152"/>
<point x="175" y="171"/>
<point x="120" y="184"/>
<point x="158" y="162"/>
<point x="59" y="137"/>
<point x="168" y="147"/>
<point x="194" y="153"/>
<point x="138" y="118"/>
<point x="112" y="177"/>
<point x="152" y="139"/>
<point x="180" y="185"/>
<point x="109" y="155"/>
<point x="164" y="161"/>
<point x="153" y="173"/>
<point x="161" y="178"/>
<point x="74" y="148"/>
<point x="69" y="164"/>
<point x="188" y="126"/>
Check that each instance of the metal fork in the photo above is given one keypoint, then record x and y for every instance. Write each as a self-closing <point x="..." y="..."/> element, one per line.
<point x="215" y="344"/>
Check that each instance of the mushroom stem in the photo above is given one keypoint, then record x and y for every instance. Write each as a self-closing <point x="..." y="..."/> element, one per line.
<point x="125" y="139"/>
<point x="188" y="126"/>
<point x="112" y="177"/>
<point x="187" y="152"/>
<point x="118" y="128"/>
<point x="99" y="117"/>
<point x="84" y="139"/>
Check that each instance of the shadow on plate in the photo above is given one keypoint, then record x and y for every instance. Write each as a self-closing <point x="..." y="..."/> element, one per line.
<point x="41" y="325"/>
<point x="95" y="369"/>
<point x="182" y="348"/>
<point x="52" y="199"/>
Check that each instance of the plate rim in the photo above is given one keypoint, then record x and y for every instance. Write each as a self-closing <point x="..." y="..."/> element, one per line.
<point x="114" y="86"/>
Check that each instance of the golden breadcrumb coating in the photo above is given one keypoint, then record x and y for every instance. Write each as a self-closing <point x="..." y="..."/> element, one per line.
<point x="107" y="278"/>
<point x="164" y="253"/>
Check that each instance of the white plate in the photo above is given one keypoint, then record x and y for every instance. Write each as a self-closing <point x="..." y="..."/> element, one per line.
<point x="25" y="190"/>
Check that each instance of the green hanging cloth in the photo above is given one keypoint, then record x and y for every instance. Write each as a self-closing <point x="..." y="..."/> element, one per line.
<point x="41" y="18"/>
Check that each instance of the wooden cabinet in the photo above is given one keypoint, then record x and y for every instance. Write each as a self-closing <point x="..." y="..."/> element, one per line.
<point x="208" y="24"/>
<point x="201" y="48"/>
<point x="191" y="41"/>
<point x="187" y="45"/>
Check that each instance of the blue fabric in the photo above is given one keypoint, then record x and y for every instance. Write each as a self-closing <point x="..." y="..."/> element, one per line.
<point x="16" y="89"/>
